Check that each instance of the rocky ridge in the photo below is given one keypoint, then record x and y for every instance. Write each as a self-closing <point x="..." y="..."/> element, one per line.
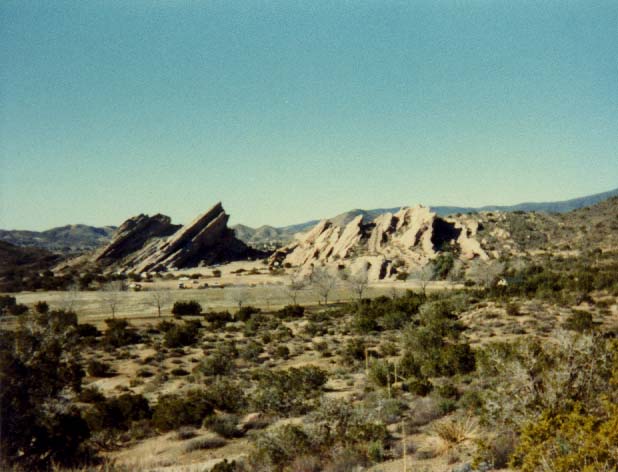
<point x="393" y="242"/>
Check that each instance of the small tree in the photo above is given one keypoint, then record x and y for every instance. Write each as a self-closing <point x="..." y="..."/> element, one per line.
<point x="297" y="282"/>
<point x="159" y="298"/>
<point x="358" y="281"/>
<point x="110" y="294"/>
<point x="486" y="273"/>
<point x="238" y="295"/>
<point x="68" y="297"/>
<point x="324" y="282"/>
<point x="423" y="276"/>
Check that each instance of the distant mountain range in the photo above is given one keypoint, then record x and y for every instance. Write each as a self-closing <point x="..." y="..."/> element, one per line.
<point x="70" y="239"/>
<point x="269" y="235"/>
<point x="74" y="239"/>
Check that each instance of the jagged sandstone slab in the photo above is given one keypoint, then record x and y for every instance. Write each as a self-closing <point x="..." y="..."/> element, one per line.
<point x="405" y="240"/>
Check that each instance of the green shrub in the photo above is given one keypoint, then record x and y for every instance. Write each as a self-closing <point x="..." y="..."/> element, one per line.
<point x="448" y="390"/>
<point x="224" y="425"/>
<point x="419" y="386"/>
<point x="288" y="392"/>
<point x="218" y="319"/>
<point x="119" y="333"/>
<point x="569" y="441"/>
<point x="39" y="370"/>
<point x="381" y="373"/>
<point x="91" y="395"/>
<point x="282" y="352"/>
<point x="251" y="351"/>
<point x="580" y="321"/>
<point x="354" y="350"/>
<point x="225" y="466"/>
<point x="291" y="311"/>
<point x="118" y="413"/>
<point x="512" y="309"/>
<point x="165" y="326"/>
<point x="226" y="395"/>
<point x="173" y="411"/>
<point x="246" y="312"/>
<point x="182" y="335"/>
<point x="216" y="363"/>
<point x="457" y="358"/>
<point x="96" y="368"/>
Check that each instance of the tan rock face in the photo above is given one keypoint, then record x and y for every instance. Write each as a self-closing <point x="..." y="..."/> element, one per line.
<point x="407" y="239"/>
<point x="148" y="243"/>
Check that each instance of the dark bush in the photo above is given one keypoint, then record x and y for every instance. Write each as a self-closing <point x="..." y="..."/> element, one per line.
<point x="419" y="386"/>
<point x="512" y="309"/>
<point x="118" y="413"/>
<point x="224" y="425"/>
<point x="179" y="372"/>
<point x="246" y="312"/>
<point x="225" y="466"/>
<point x="97" y="368"/>
<point x="458" y="359"/>
<point x="165" y="326"/>
<point x="41" y="307"/>
<point x="282" y="352"/>
<point x="251" y="351"/>
<point x="291" y="311"/>
<point x="173" y="411"/>
<point x="58" y="321"/>
<point x="218" y="319"/>
<point x="9" y="306"/>
<point x="119" y="333"/>
<point x="226" y="395"/>
<point x="37" y="372"/>
<point x="190" y="308"/>
<point x="91" y="395"/>
<point x="182" y="335"/>
<point x="448" y="390"/>
<point x="86" y="330"/>
<point x="580" y="321"/>
<point x="354" y="350"/>
<point x="288" y="391"/>
<point x="216" y="363"/>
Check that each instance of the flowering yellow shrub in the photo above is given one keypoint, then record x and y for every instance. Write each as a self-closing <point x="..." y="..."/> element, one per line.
<point x="570" y="441"/>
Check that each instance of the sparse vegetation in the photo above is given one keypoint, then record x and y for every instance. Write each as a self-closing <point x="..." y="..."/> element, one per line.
<point x="516" y="369"/>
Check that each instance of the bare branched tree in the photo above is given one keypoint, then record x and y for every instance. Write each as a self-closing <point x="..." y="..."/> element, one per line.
<point x="296" y="283"/>
<point x="486" y="273"/>
<point x="159" y="298"/>
<point x="423" y="276"/>
<point x="323" y="282"/>
<point x="358" y="281"/>
<point x="238" y="295"/>
<point x="69" y="297"/>
<point x="111" y="295"/>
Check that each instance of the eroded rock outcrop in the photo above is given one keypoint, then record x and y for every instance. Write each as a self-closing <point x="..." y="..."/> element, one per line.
<point x="133" y="235"/>
<point x="146" y="243"/>
<point x="392" y="242"/>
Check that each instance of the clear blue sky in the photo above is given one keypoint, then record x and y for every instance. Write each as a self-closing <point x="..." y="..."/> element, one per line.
<point x="288" y="111"/>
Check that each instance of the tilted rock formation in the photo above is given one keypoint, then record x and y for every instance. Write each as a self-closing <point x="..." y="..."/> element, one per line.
<point x="146" y="243"/>
<point x="407" y="239"/>
<point x="133" y="234"/>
